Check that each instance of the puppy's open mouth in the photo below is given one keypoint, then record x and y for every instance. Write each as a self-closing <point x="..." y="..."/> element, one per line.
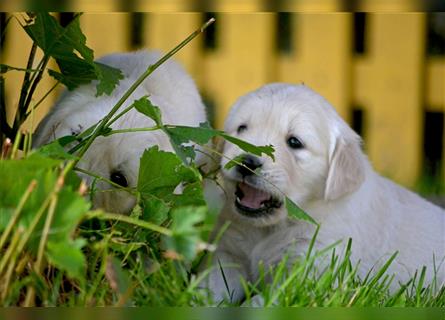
<point x="254" y="202"/>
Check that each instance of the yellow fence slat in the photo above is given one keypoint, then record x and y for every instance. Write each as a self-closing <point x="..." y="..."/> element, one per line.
<point x="164" y="31"/>
<point x="394" y="110"/>
<point x="16" y="53"/>
<point x="322" y="57"/>
<point x="106" y="32"/>
<point x="242" y="61"/>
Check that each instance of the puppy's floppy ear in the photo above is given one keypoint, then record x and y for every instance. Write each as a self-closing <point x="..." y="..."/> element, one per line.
<point x="346" y="169"/>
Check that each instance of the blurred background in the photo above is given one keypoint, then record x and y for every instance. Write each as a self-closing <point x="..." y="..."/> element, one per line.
<point x="383" y="72"/>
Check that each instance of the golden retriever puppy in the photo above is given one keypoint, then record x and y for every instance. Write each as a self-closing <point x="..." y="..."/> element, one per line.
<point x="116" y="157"/>
<point x="320" y="166"/>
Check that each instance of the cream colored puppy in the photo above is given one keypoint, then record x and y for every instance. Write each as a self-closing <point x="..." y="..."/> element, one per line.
<point x="320" y="166"/>
<point x="116" y="157"/>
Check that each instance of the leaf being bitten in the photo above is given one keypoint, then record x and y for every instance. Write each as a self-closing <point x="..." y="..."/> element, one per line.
<point x="296" y="212"/>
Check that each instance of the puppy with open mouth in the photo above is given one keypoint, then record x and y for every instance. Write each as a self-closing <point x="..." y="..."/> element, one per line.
<point x="320" y="166"/>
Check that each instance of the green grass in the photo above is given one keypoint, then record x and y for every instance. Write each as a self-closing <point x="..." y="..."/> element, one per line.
<point x="111" y="261"/>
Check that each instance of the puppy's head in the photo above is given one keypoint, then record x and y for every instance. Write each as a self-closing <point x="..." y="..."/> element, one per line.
<point x="115" y="157"/>
<point x="317" y="156"/>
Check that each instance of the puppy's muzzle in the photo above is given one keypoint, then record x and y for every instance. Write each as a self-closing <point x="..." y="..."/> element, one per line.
<point x="250" y="163"/>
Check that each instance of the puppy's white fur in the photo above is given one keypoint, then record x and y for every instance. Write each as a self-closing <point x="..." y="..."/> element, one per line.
<point x="333" y="181"/>
<point x="169" y="87"/>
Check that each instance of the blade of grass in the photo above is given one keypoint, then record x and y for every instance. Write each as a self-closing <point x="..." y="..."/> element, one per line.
<point x="119" y="217"/>
<point x="16" y="213"/>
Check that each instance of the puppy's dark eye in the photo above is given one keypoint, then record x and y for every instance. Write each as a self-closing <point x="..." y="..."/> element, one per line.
<point x="294" y="143"/>
<point x="241" y="128"/>
<point x="119" y="178"/>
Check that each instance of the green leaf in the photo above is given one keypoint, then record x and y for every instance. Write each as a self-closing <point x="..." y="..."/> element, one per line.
<point x="184" y="134"/>
<point x="55" y="150"/>
<point x="144" y="106"/>
<point x="248" y="147"/>
<point x="108" y="78"/>
<point x="65" y="44"/>
<point x="296" y="212"/>
<point x="154" y="209"/>
<point x="201" y="135"/>
<point x="192" y="194"/>
<point x="234" y="162"/>
<point x="17" y="175"/>
<point x="70" y="210"/>
<point x="160" y="172"/>
<point x="181" y="135"/>
<point x="68" y="256"/>
<point x="185" y="236"/>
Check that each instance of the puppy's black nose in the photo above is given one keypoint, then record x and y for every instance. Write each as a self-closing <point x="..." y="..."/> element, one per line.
<point x="251" y="162"/>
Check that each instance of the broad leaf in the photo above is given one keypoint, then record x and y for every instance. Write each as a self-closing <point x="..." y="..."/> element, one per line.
<point x="65" y="44"/>
<point x="184" y="134"/>
<point x="296" y="212"/>
<point x="108" y="78"/>
<point x="248" y="147"/>
<point x="154" y="209"/>
<point x="185" y="236"/>
<point x="55" y="150"/>
<point x="234" y="162"/>
<point x="144" y="106"/>
<point x="179" y="135"/>
<point x="70" y="208"/>
<point x="160" y="172"/>
<point x="68" y="256"/>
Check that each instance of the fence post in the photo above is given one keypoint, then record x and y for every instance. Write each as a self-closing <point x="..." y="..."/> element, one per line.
<point x="106" y="32"/>
<point x="241" y="62"/>
<point x="164" y="30"/>
<point x="321" y="57"/>
<point x="395" y="98"/>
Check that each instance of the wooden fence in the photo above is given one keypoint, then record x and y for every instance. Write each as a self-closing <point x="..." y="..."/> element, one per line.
<point x="384" y="72"/>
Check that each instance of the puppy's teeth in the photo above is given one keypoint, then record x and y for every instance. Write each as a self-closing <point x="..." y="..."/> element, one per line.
<point x="238" y="199"/>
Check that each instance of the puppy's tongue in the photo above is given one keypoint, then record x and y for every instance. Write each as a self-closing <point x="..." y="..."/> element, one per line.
<point x="252" y="198"/>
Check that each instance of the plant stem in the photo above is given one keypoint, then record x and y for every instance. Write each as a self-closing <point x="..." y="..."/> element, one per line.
<point x="35" y="82"/>
<point x="16" y="214"/>
<point x="45" y="232"/>
<point x="132" y="130"/>
<point x="13" y="245"/>
<point x="25" y="86"/>
<point x="7" y="278"/>
<point x="119" y="217"/>
<point x="120" y="114"/>
<point x="15" y="146"/>
<point x="104" y="122"/>
<point x="30" y="294"/>
<point x="41" y="100"/>
<point x="5" y="129"/>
